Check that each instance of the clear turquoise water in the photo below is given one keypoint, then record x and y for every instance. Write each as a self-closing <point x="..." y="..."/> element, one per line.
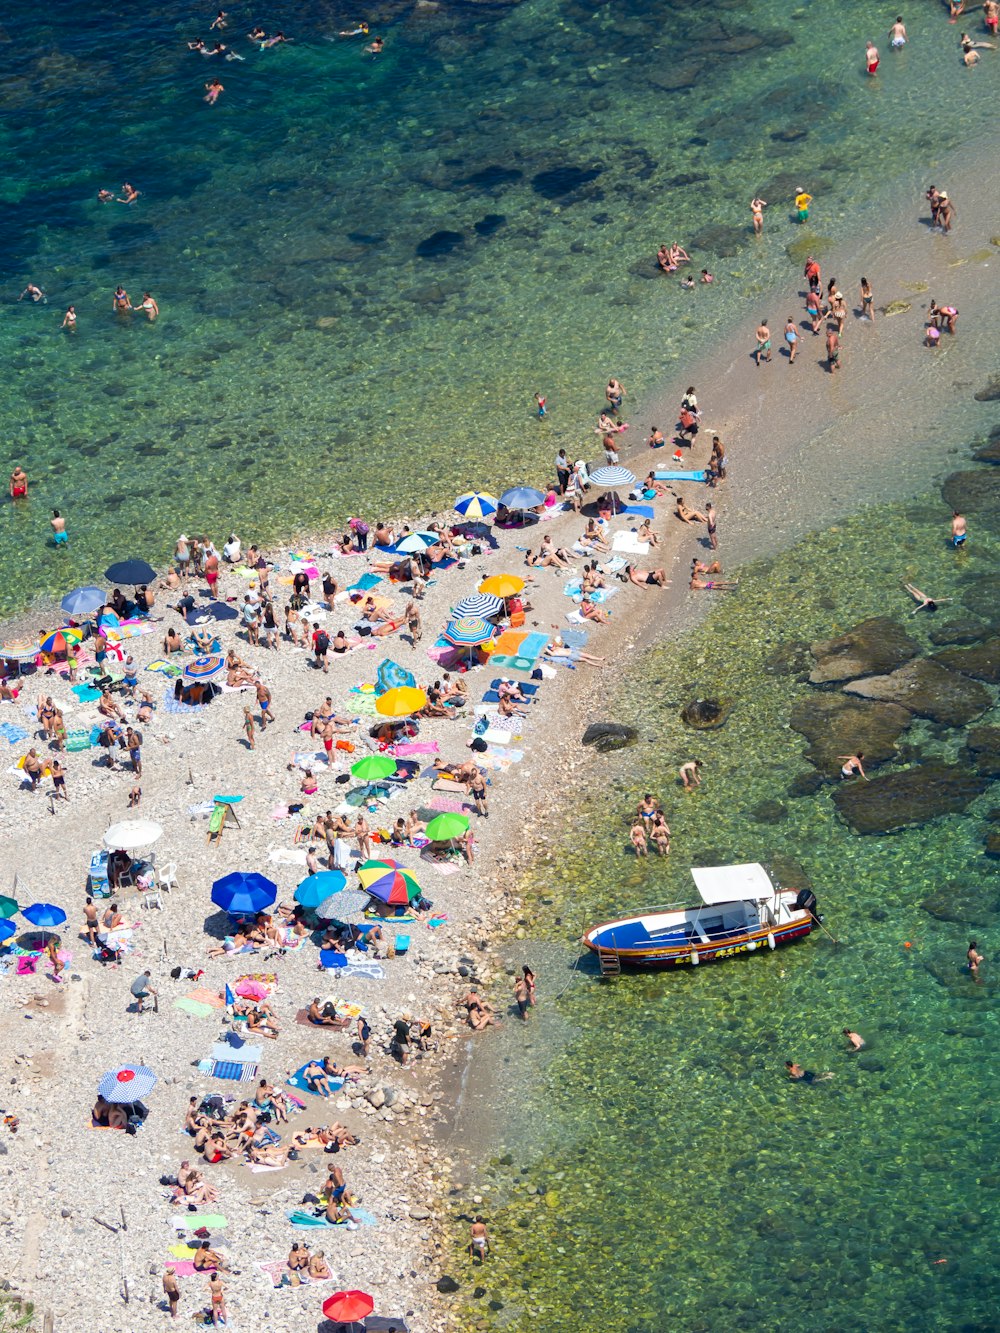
<point x="677" y="1178"/>
<point x="308" y="360"/>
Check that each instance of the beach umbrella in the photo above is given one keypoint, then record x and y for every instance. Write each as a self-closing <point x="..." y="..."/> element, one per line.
<point x="128" y="835"/>
<point x="476" y="504"/>
<point x="483" y="604"/>
<point x="342" y="905"/>
<point x="7" y="929"/>
<point x="60" y="640"/>
<point x="401" y="702"/>
<point x="390" y="675"/>
<point x="443" y="828"/>
<point x="8" y="907"/>
<point x="348" y="1307"/>
<point x="522" y="497"/>
<point x="613" y="476"/>
<point x="389" y="885"/>
<point x="243" y="893"/>
<point x="380" y="863"/>
<point x="83" y="601"/>
<point x="130" y="571"/>
<point x="45" y="916"/>
<point x="203" y="668"/>
<point x="315" y="889"/>
<point x="469" y="631"/>
<point x="502" y="585"/>
<point x="127" y="1083"/>
<point x="415" y="542"/>
<point x="19" y="650"/>
<point x="374" y="767"/>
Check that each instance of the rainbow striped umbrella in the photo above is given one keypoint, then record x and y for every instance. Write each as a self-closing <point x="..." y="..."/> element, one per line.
<point x="19" y="650"/>
<point x="202" y="668"/>
<point x="390" y="886"/>
<point x="60" y="640"/>
<point x="476" y="504"/>
<point x="469" y="631"/>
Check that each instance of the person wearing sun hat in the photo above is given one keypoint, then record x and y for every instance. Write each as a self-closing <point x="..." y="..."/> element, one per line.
<point x="802" y="202"/>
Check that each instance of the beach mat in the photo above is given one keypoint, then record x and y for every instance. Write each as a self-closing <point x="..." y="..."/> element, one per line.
<point x="197" y="1008"/>
<point x="192" y="1221"/>
<point x="182" y="1267"/>
<point x="298" y="1218"/>
<point x="303" y="1020"/>
<point x="698" y="475"/>
<point x="277" y="1269"/>
<point x="297" y="1081"/>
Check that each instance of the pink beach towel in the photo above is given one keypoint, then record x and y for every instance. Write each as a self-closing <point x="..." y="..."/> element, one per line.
<point x="445" y="803"/>
<point x="414" y="747"/>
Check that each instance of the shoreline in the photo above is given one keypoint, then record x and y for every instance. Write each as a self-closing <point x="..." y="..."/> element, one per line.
<point x="552" y="759"/>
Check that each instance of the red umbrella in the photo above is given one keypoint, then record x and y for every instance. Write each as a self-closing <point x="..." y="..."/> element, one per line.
<point x="348" y="1307"/>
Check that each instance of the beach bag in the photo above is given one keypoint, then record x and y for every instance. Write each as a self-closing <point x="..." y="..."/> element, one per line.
<point x="345" y="745"/>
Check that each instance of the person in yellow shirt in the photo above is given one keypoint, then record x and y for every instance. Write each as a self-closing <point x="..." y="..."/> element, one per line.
<point x="802" y="202"/>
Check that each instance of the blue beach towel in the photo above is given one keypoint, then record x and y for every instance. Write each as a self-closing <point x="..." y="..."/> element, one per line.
<point x="13" y="732"/>
<point x="679" y="476"/>
<point x="299" y="1218"/>
<point x="297" y="1081"/>
<point x="644" y="511"/>
<point x="365" y="582"/>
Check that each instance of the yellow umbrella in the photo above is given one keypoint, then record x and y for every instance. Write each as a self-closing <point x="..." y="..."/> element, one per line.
<point x="502" y="585"/>
<point x="400" y="702"/>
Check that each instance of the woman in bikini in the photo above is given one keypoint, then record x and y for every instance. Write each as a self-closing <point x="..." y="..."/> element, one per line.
<point x="646" y="533"/>
<point x="852" y="765"/>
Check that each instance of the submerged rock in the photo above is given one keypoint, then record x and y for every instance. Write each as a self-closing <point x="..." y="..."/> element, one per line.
<point x="928" y="689"/>
<point x="963" y="631"/>
<point x="560" y="181"/>
<point x="913" y="796"/>
<point x="704" y="714"/>
<point x="982" y="662"/>
<point x="983" y="598"/>
<point x="983" y="744"/>
<point x="963" y="905"/>
<point x="989" y="453"/>
<point x="835" y="724"/>
<point x="990" y="392"/>
<point x="788" y="659"/>
<point x="869" y="649"/>
<point x="769" y="812"/>
<point x="674" y="79"/>
<point x="973" y="492"/>
<point x="608" y="736"/>
<point x="439" y="243"/>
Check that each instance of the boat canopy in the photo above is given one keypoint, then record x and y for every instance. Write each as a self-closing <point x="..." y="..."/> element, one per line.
<point x="729" y="884"/>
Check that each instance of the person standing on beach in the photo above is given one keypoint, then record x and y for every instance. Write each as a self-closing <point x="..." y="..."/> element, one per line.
<point x="763" y="342"/>
<point x="521" y="997"/>
<point x="974" y="958"/>
<point x="264" y="704"/>
<point x="832" y="350"/>
<point x="867" y="301"/>
<point x="321" y="646"/>
<point x="172" y="1291"/>
<point x="711" y="526"/>
<point x="792" y="339"/>
<point x="757" y="206"/>
<point x="802" y="202"/>
<point x="250" y="728"/>
<point x="871" y="58"/>
<point x="413" y="623"/>
<point x="959" y="531"/>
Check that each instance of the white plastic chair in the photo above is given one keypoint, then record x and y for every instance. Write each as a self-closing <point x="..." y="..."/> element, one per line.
<point x="167" y="876"/>
<point x="151" y="897"/>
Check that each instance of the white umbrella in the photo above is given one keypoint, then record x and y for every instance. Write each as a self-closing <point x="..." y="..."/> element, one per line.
<point x="131" y="834"/>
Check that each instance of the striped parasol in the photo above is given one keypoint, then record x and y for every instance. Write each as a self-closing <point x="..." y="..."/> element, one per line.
<point x="479" y="604"/>
<point x="469" y="631"/>
<point x="19" y="650"/>
<point x="613" y="475"/>
<point x="203" y="668"/>
<point x="60" y="640"/>
<point x="476" y="504"/>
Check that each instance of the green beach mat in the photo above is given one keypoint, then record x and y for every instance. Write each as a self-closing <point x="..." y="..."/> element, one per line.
<point x="196" y="1007"/>
<point x="191" y="1221"/>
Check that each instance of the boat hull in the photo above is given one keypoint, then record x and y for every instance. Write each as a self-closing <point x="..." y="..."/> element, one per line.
<point x="664" y="955"/>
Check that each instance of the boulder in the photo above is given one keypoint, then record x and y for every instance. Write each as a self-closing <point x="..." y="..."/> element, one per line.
<point x="790" y="659"/>
<point x="836" y="725"/>
<point x="912" y="796"/>
<point x="973" y="492"/>
<point x="869" y="649"/>
<point x="982" y="661"/>
<point x="963" y="906"/>
<point x="608" y="736"/>
<point x="990" y="392"/>
<point x="982" y="598"/>
<point x="983" y="744"/>
<point x="704" y="714"/>
<point x="928" y="689"/>
<point x="964" y="630"/>
<point x="990" y="452"/>
<point x="769" y="812"/>
<point x="675" y="79"/>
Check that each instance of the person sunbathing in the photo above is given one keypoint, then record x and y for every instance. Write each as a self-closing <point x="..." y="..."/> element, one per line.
<point x="697" y="584"/>
<point x="319" y="1269"/>
<point x="463" y="772"/>
<point x="238" y="943"/>
<point x="646" y="578"/>
<point x="325" y="1016"/>
<point x="146" y="706"/>
<point x="646" y="533"/>
<point x="339" y="1214"/>
<point x="924" y="603"/>
<point x="216" y="1149"/>
<point x="592" y="580"/>
<point x="107" y="1113"/>
<point x="591" y="612"/>
<point x="507" y="708"/>
<point x="272" y="1155"/>
<point x="479" y="1013"/>
<point x="593" y="539"/>
<point x="510" y="689"/>
<point x="205" y="1258"/>
<point x="315" y="1078"/>
<point x="651" y="484"/>
<point x="551" y="559"/>
<point x="687" y="515"/>
<point x="203" y="640"/>
<point x="557" y="649"/>
<point x="194" y="1190"/>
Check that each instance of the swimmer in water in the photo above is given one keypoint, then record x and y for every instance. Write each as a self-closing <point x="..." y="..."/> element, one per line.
<point x="360" y="31"/>
<point x="149" y="307"/>
<point x="105" y="196"/>
<point x="897" y="33"/>
<point x="34" y="292"/>
<point x="199" y="45"/>
<point x="212" y="91"/>
<point x="276" y="40"/>
<point x="120" y="301"/>
<point x="853" y="765"/>
<point x="374" y="48"/>
<point x="925" y="603"/>
<point x="706" y="276"/>
<point x="129" y="194"/>
<point x="256" y="34"/>
<point x="799" y="1075"/>
<point x="219" y="21"/>
<point x="757" y="206"/>
<point x="69" y="319"/>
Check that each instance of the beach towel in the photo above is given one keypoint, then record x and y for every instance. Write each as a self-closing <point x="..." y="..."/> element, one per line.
<point x="643" y="511"/>
<point x="576" y="618"/>
<point x="182" y="1251"/>
<point x="599" y="595"/>
<point x="192" y="1221"/>
<point x="576" y="638"/>
<point x="448" y="784"/>
<point x="258" y="1168"/>
<point x="182" y="1267"/>
<point x="675" y="475"/>
<point x="216" y="611"/>
<point x="366" y="581"/>
<point x="207" y="996"/>
<point x="287" y="856"/>
<point x="232" y="1070"/>
<point x="339" y="1024"/>
<point x="298" y="1218"/>
<point x="445" y="803"/>
<point x="85" y="693"/>
<point x="276" y="1270"/>
<point x="403" y="748"/>
<point x="13" y="733"/>
<point x="297" y="1081"/>
<point x="194" y="1007"/>
<point x="628" y="541"/>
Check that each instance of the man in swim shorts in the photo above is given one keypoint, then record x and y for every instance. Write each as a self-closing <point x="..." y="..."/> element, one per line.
<point x="959" y="533"/>
<point x="802" y="202"/>
<point x="897" y="33"/>
<point x="58" y="525"/>
<point x="871" y="57"/>
<point x="18" y="483"/>
<point x="763" y="342"/>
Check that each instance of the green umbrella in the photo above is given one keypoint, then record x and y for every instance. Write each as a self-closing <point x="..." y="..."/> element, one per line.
<point x="8" y="907"/>
<point x="374" y="767"/>
<point x="443" y="828"/>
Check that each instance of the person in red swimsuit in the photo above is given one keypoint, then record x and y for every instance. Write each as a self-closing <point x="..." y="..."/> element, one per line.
<point x="18" y="483"/>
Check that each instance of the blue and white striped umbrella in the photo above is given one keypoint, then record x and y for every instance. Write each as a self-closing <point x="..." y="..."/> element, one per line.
<point x="612" y="475"/>
<point x="127" y="1083"/>
<point x="416" y="542"/>
<point x="468" y="631"/>
<point x="482" y="604"/>
<point x="476" y="504"/>
<point x="522" y="497"/>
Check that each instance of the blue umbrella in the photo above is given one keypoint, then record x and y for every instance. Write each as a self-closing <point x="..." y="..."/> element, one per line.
<point x="390" y="676"/>
<point x="612" y="475"/>
<point x="317" y="888"/>
<point x="243" y="893"/>
<point x="7" y="928"/>
<point x="416" y="542"/>
<point x="476" y="504"/>
<point x="127" y="1083"/>
<point x="130" y="571"/>
<point x="83" y="601"/>
<point x="44" y="915"/>
<point x="522" y="497"/>
<point x="481" y="604"/>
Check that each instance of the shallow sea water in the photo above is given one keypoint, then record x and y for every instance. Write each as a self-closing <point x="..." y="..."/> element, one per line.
<point x="655" y="1168"/>
<point x="310" y="359"/>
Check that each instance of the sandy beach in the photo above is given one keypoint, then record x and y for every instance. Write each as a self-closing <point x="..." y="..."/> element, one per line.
<point x="800" y="444"/>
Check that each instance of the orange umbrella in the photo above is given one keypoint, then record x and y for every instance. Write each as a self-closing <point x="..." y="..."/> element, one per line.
<point x="502" y="585"/>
